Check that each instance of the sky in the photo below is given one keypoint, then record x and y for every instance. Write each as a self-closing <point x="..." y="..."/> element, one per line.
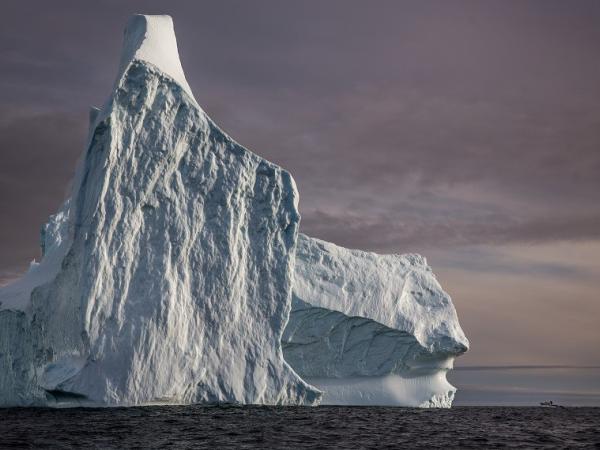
<point x="467" y="131"/>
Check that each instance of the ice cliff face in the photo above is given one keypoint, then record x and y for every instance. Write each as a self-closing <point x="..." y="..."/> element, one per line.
<point x="368" y="328"/>
<point x="168" y="275"/>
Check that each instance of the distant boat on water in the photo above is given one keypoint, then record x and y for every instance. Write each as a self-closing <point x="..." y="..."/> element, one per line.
<point x="551" y="404"/>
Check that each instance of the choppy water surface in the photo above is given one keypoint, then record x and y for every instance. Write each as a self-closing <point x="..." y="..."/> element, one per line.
<point x="288" y="427"/>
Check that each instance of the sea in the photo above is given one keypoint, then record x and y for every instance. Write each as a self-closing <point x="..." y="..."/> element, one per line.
<point x="221" y="427"/>
<point x="494" y="407"/>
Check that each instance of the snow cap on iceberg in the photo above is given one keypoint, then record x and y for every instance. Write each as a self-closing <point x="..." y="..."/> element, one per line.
<point x="152" y="39"/>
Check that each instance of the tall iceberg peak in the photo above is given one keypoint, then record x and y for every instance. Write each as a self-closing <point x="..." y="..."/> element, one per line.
<point x="152" y="39"/>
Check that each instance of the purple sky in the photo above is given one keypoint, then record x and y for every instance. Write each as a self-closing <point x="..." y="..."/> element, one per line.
<point x="468" y="131"/>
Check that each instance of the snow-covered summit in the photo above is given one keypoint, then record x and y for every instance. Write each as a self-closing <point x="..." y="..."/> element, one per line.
<point x="151" y="38"/>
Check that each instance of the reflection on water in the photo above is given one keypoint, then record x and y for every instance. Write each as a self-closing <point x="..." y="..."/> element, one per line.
<point x="518" y="386"/>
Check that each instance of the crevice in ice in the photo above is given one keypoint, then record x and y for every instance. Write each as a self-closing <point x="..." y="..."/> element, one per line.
<point x="60" y="396"/>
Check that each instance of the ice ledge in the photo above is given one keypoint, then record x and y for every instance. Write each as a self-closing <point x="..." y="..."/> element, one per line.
<point x="152" y="39"/>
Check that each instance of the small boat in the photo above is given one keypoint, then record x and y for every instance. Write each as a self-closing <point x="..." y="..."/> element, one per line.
<point x="550" y="404"/>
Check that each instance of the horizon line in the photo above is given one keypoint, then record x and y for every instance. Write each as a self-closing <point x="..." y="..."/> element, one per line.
<point x="524" y="366"/>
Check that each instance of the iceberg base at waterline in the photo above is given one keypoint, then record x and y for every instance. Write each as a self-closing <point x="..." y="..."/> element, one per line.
<point x="424" y="391"/>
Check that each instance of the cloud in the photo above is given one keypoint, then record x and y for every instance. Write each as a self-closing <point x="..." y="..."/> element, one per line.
<point x="397" y="232"/>
<point x="523" y="367"/>
<point x="38" y="160"/>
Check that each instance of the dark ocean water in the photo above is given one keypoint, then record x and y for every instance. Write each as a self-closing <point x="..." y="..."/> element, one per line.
<point x="300" y="427"/>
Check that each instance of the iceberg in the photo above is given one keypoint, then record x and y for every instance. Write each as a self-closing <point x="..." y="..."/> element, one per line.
<point x="175" y="273"/>
<point x="371" y="329"/>
<point x="167" y="276"/>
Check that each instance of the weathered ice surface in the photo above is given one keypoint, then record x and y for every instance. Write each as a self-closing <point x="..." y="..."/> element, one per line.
<point x="168" y="275"/>
<point x="371" y="329"/>
<point x="17" y="376"/>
